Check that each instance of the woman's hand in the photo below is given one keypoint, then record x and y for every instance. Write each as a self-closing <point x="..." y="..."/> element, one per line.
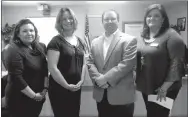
<point x="73" y="87"/>
<point x="43" y="93"/>
<point x="3" y="102"/>
<point x="79" y="84"/>
<point x="161" y="94"/>
<point x="38" y="97"/>
<point x="162" y="91"/>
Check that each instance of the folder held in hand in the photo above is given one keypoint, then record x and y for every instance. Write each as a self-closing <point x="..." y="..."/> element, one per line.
<point x="167" y="104"/>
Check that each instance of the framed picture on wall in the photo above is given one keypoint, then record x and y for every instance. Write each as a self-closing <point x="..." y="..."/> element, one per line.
<point x="133" y="28"/>
<point x="181" y="23"/>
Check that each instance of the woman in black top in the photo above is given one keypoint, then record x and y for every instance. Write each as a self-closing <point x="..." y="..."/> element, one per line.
<point x="27" y="72"/>
<point x="160" y="60"/>
<point x="65" y="62"/>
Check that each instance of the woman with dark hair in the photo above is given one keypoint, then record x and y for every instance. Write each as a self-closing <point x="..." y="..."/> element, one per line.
<point x="160" y="60"/>
<point x="65" y="63"/>
<point x="26" y="63"/>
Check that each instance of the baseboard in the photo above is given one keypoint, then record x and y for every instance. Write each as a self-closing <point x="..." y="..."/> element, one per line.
<point x="87" y="88"/>
<point x="80" y="116"/>
<point x="97" y="116"/>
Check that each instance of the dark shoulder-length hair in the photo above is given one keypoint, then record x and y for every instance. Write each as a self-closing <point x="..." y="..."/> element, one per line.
<point x="165" y="25"/>
<point x="16" y="32"/>
<point x="59" y="17"/>
<point x="35" y="44"/>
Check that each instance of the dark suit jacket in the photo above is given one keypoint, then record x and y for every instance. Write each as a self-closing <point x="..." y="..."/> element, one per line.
<point x="117" y="68"/>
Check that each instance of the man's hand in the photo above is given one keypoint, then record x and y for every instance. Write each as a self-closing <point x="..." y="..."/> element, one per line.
<point x="105" y="86"/>
<point x="100" y="81"/>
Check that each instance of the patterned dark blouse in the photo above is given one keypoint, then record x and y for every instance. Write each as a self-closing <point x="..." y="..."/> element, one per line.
<point x="71" y="58"/>
<point x="160" y="61"/>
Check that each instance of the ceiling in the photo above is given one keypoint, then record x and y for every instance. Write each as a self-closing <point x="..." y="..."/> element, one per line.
<point x="58" y="3"/>
<point x="34" y="3"/>
<point x="54" y="3"/>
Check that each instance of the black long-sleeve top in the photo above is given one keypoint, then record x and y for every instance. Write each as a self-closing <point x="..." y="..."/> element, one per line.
<point x="26" y="67"/>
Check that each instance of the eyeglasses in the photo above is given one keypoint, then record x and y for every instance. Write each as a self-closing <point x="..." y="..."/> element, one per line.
<point x="111" y="19"/>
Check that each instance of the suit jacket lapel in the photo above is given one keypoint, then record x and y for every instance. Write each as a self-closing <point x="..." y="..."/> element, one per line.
<point x="112" y="46"/>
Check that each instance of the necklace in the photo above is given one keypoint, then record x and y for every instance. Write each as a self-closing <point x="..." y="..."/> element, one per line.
<point x="151" y="39"/>
<point x="148" y="41"/>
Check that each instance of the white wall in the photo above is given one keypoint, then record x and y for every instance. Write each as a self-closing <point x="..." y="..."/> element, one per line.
<point x="129" y="11"/>
<point x="13" y="14"/>
<point x="178" y="10"/>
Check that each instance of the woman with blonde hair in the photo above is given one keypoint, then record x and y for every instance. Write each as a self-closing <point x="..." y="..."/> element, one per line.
<point x="65" y="62"/>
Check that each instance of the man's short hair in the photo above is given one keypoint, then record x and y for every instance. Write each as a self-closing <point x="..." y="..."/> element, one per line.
<point x="108" y="11"/>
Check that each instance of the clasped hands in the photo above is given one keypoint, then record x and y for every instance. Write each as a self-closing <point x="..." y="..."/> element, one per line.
<point x="40" y="96"/>
<point x="101" y="82"/>
<point x="73" y="87"/>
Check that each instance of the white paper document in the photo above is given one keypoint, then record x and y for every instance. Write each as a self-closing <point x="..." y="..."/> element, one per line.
<point x="167" y="104"/>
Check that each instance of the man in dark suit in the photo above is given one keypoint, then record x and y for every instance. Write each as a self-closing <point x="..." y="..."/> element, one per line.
<point x="110" y="66"/>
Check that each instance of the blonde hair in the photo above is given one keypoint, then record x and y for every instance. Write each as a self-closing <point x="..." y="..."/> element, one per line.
<point x="58" y="25"/>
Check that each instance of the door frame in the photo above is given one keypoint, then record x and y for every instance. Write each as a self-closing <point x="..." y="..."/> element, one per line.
<point x="130" y="22"/>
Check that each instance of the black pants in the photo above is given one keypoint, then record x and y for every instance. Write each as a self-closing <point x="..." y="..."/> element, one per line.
<point x="107" y="110"/>
<point x="64" y="103"/>
<point x="5" y="112"/>
<point x="155" y="110"/>
<point x="26" y="109"/>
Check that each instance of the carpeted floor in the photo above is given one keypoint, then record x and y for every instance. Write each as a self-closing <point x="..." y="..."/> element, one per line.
<point x="88" y="105"/>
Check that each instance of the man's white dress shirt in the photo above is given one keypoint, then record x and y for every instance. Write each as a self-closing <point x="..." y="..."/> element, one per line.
<point x="107" y="42"/>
